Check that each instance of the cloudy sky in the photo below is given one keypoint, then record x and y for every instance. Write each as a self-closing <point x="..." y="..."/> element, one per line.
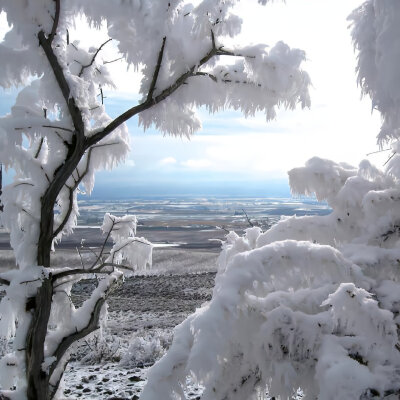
<point x="234" y="155"/>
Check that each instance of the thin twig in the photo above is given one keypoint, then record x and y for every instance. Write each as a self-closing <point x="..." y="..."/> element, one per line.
<point x="80" y="256"/>
<point x="104" y="244"/>
<point x="390" y="158"/>
<point x="248" y="219"/>
<point x="40" y="148"/>
<point x="93" y="58"/>
<point x="379" y="151"/>
<point x="109" y="62"/>
<point x="61" y="128"/>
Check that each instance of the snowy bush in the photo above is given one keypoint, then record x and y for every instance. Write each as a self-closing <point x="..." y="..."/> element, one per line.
<point x="319" y="312"/>
<point x="145" y="349"/>
<point x="100" y="349"/>
<point x="314" y="302"/>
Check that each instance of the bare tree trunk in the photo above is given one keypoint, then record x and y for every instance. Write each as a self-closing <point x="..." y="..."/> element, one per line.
<point x="38" y="380"/>
<point x="40" y="306"/>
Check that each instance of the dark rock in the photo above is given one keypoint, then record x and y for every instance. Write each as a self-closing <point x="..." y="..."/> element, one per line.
<point x="135" y="378"/>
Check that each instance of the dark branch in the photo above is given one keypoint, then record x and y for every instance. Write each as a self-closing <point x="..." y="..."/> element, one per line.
<point x="71" y="195"/>
<point x="389" y="158"/>
<point x="102" y="95"/>
<point x="80" y="256"/>
<point x="83" y="271"/>
<point x="109" y="62"/>
<point x="104" y="245"/>
<point x="55" y="22"/>
<point x="61" y="128"/>
<point x="213" y="77"/>
<point x="67" y="341"/>
<point x="157" y="70"/>
<point x="248" y="219"/>
<point x="40" y="148"/>
<point x="223" y="228"/>
<point x="93" y="58"/>
<point x="163" y="95"/>
<point x="74" y="111"/>
<point x="91" y="326"/>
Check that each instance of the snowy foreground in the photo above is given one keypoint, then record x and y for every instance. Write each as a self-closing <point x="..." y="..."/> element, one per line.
<point x="141" y="316"/>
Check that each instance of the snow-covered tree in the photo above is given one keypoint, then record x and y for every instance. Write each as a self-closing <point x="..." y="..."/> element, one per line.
<point x="58" y="134"/>
<point x="314" y="302"/>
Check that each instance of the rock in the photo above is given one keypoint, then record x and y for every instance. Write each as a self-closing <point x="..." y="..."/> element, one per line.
<point x="135" y="378"/>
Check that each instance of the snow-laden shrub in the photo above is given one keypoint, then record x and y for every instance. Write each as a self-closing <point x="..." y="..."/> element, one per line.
<point x="101" y="349"/>
<point x="313" y="302"/>
<point x="318" y="310"/>
<point x="146" y="349"/>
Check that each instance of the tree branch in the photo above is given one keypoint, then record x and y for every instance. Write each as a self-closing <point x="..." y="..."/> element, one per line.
<point x="57" y="127"/>
<point x="93" y="58"/>
<point x="40" y="148"/>
<point x="151" y="101"/>
<point x="247" y="217"/>
<point x="56" y="20"/>
<point x="71" y="195"/>
<point x="82" y="271"/>
<point x="111" y="61"/>
<point x="91" y="326"/>
<point x="74" y="111"/>
<point x="157" y="70"/>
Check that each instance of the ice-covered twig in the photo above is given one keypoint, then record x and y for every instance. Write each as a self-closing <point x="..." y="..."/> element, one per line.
<point x="93" y="58"/>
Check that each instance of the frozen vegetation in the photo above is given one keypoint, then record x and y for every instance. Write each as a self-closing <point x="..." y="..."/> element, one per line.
<point x="314" y="302"/>
<point x="311" y="304"/>
<point x="58" y="134"/>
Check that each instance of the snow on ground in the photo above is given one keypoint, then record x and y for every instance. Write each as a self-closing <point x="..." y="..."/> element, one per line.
<point x="141" y="316"/>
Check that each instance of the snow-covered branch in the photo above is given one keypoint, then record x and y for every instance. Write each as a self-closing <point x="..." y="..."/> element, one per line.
<point x="63" y="85"/>
<point x="91" y="311"/>
<point x="93" y="58"/>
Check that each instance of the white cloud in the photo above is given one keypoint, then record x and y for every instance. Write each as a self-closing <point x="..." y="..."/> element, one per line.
<point x="201" y="163"/>
<point x="168" y="161"/>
